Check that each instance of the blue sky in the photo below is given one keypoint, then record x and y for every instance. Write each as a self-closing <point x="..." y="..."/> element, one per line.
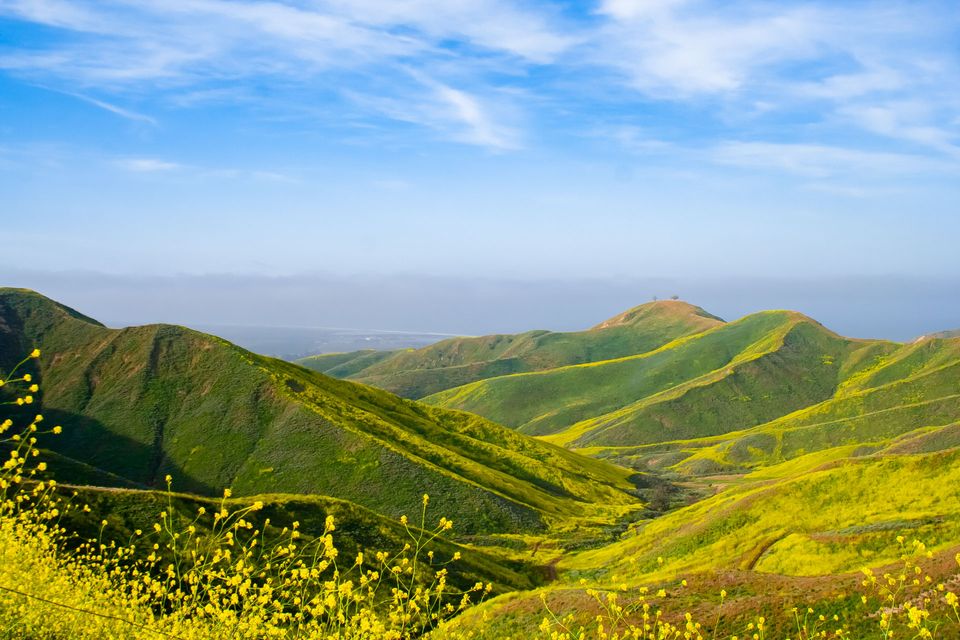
<point x="481" y="138"/>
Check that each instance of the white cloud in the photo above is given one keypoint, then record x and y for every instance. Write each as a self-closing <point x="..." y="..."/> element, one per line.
<point x="839" y="64"/>
<point x="147" y="165"/>
<point x="680" y="49"/>
<point x="183" y="45"/>
<point x="455" y="113"/>
<point x="496" y="25"/>
<point x="112" y="108"/>
<point x="844" y="86"/>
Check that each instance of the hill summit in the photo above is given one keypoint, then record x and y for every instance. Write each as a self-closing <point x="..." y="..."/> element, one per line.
<point x="659" y="310"/>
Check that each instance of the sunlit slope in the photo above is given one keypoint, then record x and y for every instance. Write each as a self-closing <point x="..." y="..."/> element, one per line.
<point x="731" y="377"/>
<point x="819" y="518"/>
<point x="794" y="534"/>
<point x="459" y="361"/>
<point x="143" y="402"/>
<point x="905" y="395"/>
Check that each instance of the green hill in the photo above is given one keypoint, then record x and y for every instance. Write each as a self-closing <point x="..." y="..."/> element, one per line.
<point x="903" y="397"/>
<point x="731" y="377"/>
<point x="821" y="517"/>
<point x="458" y="361"/>
<point x="142" y="402"/>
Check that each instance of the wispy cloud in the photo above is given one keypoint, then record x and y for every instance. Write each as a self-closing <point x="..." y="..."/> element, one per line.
<point x="160" y="166"/>
<point x="178" y="47"/>
<point x="112" y="108"/>
<point x="822" y="161"/>
<point x="679" y="49"/>
<point x="148" y="165"/>
<point x="910" y="121"/>
<point x="454" y="113"/>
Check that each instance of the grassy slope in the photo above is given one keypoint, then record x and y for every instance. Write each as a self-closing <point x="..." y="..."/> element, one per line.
<point x="845" y="511"/>
<point x="344" y="365"/>
<point x="908" y="390"/>
<point x="357" y="528"/>
<point x="459" y="361"/>
<point x="793" y="534"/>
<point x="146" y="401"/>
<point x="731" y="377"/>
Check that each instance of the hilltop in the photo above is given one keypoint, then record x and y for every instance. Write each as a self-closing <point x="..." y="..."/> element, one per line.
<point x="142" y="402"/>
<point x="458" y="361"/>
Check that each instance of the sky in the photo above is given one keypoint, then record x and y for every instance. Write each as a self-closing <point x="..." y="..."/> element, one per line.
<point x="513" y="163"/>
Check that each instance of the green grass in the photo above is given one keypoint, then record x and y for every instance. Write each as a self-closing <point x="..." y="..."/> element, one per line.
<point x="142" y="402"/>
<point x="358" y="529"/>
<point x="838" y="507"/>
<point x="913" y="391"/>
<point x="344" y="365"/>
<point x="808" y="453"/>
<point x="459" y="361"/>
<point x="731" y="377"/>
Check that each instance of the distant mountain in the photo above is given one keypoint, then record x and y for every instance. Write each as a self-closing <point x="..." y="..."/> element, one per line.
<point x="941" y="335"/>
<point x="458" y="361"/>
<point x="142" y="402"/>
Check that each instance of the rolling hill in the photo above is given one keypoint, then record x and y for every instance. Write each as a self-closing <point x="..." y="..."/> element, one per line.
<point x="459" y="361"/>
<point x="797" y="456"/>
<point x="907" y="398"/>
<point x="731" y="377"/>
<point x="142" y="402"/>
<point x="718" y="398"/>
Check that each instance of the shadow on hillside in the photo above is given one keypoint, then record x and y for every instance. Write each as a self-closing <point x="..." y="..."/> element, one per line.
<point x="104" y="458"/>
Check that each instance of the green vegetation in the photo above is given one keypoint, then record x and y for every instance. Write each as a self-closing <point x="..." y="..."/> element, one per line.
<point x="768" y="465"/>
<point x="458" y="361"/>
<point x="180" y="566"/>
<point x="143" y="402"/>
<point x="731" y="377"/>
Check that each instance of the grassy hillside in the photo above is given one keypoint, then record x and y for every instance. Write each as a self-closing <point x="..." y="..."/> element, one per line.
<point x="142" y="402"/>
<point x="357" y="529"/>
<point x="844" y="513"/>
<point x="459" y="361"/>
<point x="731" y="377"/>
<point x="796" y="534"/>
<point x="906" y="395"/>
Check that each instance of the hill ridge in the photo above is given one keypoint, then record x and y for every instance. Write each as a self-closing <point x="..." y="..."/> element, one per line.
<point x="142" y="402"/>
<point x="458" y="361"/>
